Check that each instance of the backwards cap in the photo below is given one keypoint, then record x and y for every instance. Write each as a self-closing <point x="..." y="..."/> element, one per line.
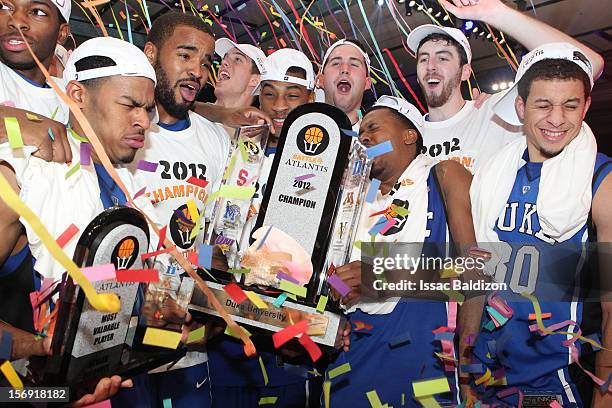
<point x="223" y="45"/>
<point x="278" y="63"/>
<point x="64" y="7"/>
<point x="338" y="43"/>
<point x="408" y="110"/>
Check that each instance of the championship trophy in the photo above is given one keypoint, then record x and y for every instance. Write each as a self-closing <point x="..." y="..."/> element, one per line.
<point x="88" y="344"/>
<point x="304" y="225"/>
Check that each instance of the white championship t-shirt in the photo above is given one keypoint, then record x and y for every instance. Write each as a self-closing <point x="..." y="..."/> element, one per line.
<point x="470" y="137"/>
<point x="24" y="94"/>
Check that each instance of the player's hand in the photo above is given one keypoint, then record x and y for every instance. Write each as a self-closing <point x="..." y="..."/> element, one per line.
<point x="246" y="116"/>
<point x="36" y="133"/>
<point x="106" y="388"/>
<point x="346" y="336"/>
<point x="479" y="98"/>
<point x="351" y="275"/>
<point x="480" y="10"/>
<point x="30" y="346"/>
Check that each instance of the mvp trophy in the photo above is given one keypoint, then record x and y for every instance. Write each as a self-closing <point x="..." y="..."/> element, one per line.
<point x="87" y="344"/>
<point x="304" y="224"/>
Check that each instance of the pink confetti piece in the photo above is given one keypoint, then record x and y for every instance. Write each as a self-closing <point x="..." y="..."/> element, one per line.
<point x="10" y="104"/>
<point x="140" y="192"/>
<point x="85" y="149"/>
<point x="304" y="177"/>
<point x="339" y="285"/>
<point x="146" y="166"/>
<point x="99" y="272"/>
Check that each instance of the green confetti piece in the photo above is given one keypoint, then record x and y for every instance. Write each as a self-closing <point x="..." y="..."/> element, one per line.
<point x="291" y="296"/>
<point x="243" y="153"/>
<point x="401" y="211"/>
<point x="196" y="229"/>
<point x="321" y="304"/>
<point x="51" y="136"/>
<point x="230" y="332"/>
<point x="230" y="167"/>
<point x="13" y="132"/>
<point x="54" y="112"/>
<point x="236" y="192"/>
<point x="292" y="288"/>
<point x="77" y="136"/>
<point x="196" y="335"/>
<point x="167" y="403"/>
<point x="403" y="399"/>
<point x="454" y="295"/>
<point x="374" y="399"/>
<point x="342" y="369"/>
<point x="73" y="170"/>
<point x="208" y="273"/>
<point x="263" y="371"/>
<point x="240" y="270"/>
<point x="267" y="400"/>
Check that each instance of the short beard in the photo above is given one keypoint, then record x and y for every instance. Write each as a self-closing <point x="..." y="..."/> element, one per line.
<point x="164" y="95"/>
<point x="435" y="101"/>
<point x="19" y="66"/>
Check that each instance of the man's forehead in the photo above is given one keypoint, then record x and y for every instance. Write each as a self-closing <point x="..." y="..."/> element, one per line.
<point x="437" y="45"/>
<point x="280" y="85"/>
<point x="346" y="51"/>
<point x="234" y="51"/>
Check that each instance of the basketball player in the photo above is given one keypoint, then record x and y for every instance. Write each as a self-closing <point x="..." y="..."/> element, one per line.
<point x="453" y="127"/>
<point x="545" y="188"/>
<point x="345" y="76"/>
<point x="408" y="180"/>
<point x="286" y="83"/>
<point x="117" y="99"/>
<point x="241" y="68"/>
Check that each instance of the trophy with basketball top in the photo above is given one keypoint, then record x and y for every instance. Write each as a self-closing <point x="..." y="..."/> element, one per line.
<point x="88" y="344"/>
<point x="310" y="205"/>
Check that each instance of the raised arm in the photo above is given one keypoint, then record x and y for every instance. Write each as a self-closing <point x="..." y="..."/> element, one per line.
<point x="528" y="31"/>
<point x="232" y="117"/>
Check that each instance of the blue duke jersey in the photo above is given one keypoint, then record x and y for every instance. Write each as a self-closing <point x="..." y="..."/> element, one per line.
<point x="377" y="363"/>
<point x="533" y="263"/>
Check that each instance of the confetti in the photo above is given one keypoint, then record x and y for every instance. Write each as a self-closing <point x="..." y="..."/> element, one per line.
<point x="341" y="369"/>
<point x="378" y="227"/>
<point x="235" y="292"/>
<point x="555" y="404"/>
<point x="256" y="300"/>
<point x="311" y="347"/>
<point x="73" y="170"/>
<point x="501" y="320"/>
<point x="194" y="214"/>
<point x="281" y="337"/>
<point x="434" y="386"/>
<point x="161" y="338"/>
<point x="205" y="256"/>
<point x="321" y="304"/>
<point x="11" y="376"/>
<point x="99" y="272"/>
<point x="400" y="340"/>
<point x="137" y="275"/>
<point x="444" y="336"/>
<point x="51" y="135"/>
<point x="33" y="117"/>
<point x="304" y="177"/>
<point x="359" y="325"/>
<point x="388" y="226"/>
<point x="283" y="275"/>
<point x="338" y="284"/>
<point x="13" y="132"/>
<point x="280" y="300"/>
<point x="350" y="132"/>
<point x="140" y="192"/>
<point x="263" y="239"/>
<point x="267" y="400"/>
<point x="146" y="166"/>
<point x="472" y="368"/>
<point x="372" y="190"/>
<point x="196" y="335"/>
<point x="379" y="149"/>
<point x="230" y="332"/>
<point x="167" y="403"/>
<point x="532" y="316"/>
<point x="374" y="399"/>
<point x="304" y="191"/>
<point x="10" y="104"/>
<point x="236" y="192"/>
<point x="85" y="149"/>
<point x="197" y="182"/>
<point x="326" y="392"/>
<point x="148" y="255"/>
<point x="6" y="345"/>
<point x="264" y="373"/>
<point x="292" y="288"/>
<point x="67" y="235"/>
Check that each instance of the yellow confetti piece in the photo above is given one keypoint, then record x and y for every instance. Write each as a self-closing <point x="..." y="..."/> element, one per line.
<point x="11" y="375"/>
<point x="430" y="387"/>
<point x="448" y="273"/>
<point x="13" y="132"/>
<point x="321" y="304"/>
<point x="236" y="192"/>
<point x="243" y="152"/>
<point x="256" y="300"/>
<point x="292" y="288"/>
<point x="326" y="393"/>
<point x="263" y="371"/>
<point x="104" y="302"/>
<point x="196" y="335"/>
<point x="374" y="400"/>
<point x="33" y="117"/>
<point x="196" y="229"/>
<point x="194" y="214"/>
<point x="484" y="378"/>
<point x="161" y="338"/>
<point x="428" y="402"/>
<point x="341" y="369"/>
<point x="267" y="400"/>
<point x="446" y="357"/>
<point x="230" y="332"/>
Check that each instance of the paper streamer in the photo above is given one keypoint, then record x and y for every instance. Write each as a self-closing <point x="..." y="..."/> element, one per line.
<point x="326" y="393"/>
<point x="148" y="255"/>
<point x="434" y="386"/>
<point x="194" y="214"/>
<point x="104" y="302"/>
<point x="85" y="150"/>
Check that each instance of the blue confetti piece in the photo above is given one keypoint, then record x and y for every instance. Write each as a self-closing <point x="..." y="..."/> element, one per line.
<point x="380" y="224"/>
<point x="167" y="403"/>
<point x="51" y="135"/>
<point x="445" y="336"/>
<point x="264" y="238"/>
<point x="205" y="256"/>
<point x="472" y="368"/>
<point x="381" y="148"/>
<point x="400" y="340"/>
<point x="350" y="132"/>
<point x="6" y="345"/>
<point x="280" y="300"/>
<point x="374" y="187"/>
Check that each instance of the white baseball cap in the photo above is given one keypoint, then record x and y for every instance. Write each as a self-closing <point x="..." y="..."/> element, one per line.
<point x="223" y="45"/>
<point x="505" y="108"/>
<point x="403" y="107"/>
<point x="338" y="43"/>
<point x="64" y="6"/>
<point x="62" y="54"/>
<point x="277" y="64"/>
<point x="418" y="34"/>
<point x="129" y="60"/>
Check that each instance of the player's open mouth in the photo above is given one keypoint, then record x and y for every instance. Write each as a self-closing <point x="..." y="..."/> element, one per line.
<point x="278" y="123"/>
<point x="223" y="75"/>
<point x="344" y="86"/>
<point x="15" y="44"/>
<point x="552" y="135"/>
<point x="433" y="82"/>
<point x="189" y="91"/>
